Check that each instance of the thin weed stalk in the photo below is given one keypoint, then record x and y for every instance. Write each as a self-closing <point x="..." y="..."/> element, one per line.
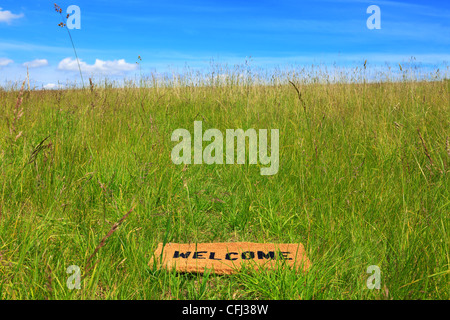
<point x="62" y="25"/>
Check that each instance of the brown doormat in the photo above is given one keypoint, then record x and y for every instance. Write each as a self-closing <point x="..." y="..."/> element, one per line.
<point x="228" y="257"/>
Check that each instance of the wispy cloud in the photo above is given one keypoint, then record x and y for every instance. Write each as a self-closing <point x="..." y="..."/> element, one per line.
<point x="14" y="46"/>
<point x="425" y="9"/>
<point x="354" y="59"/>
<point x="4" y="62"/>
<point x="113" y="67"/>
<point x="8" y="16"/>
<point x="36" y="63"/>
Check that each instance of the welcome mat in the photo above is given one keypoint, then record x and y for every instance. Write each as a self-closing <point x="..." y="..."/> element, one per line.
<point x="229" y="257"/>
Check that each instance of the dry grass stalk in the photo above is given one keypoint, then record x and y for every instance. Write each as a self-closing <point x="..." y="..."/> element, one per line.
<point x="425" y="148"/>
<point x="447" y="142"/>
<point x="299" y="95"/>
<point x="426" y="152"/>
<point x="49" y="281"/>
<point x="17" y="113"/>
<point x="41" y="146"/>
<point x="103" y="242"/>
<point x="28" y="80"/>
<point x="91" y="85"/>
<point x="18" y="136"/>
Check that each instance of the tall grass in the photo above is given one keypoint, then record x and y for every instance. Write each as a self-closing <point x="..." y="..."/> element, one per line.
<point x="363" y="180"/>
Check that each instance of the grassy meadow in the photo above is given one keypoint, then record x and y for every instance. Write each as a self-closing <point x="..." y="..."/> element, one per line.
<point x="363" y="180"/>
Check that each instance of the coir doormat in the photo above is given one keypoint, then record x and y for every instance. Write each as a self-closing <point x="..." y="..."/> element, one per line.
<point x="229" y="257"/>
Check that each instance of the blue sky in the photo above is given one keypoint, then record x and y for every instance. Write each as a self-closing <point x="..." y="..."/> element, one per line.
<point x="169" y="35"/>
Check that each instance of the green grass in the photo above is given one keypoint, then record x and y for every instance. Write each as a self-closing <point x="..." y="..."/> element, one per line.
<point x="363" y="180"/>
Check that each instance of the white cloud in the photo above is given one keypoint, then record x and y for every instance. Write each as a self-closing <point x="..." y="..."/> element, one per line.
<point x="36" y="63"/>
<point x="100" y="66"/>
<point x="50" y="86"/>
<point x="5" y="62"/>
<point x="8" y="16"/>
